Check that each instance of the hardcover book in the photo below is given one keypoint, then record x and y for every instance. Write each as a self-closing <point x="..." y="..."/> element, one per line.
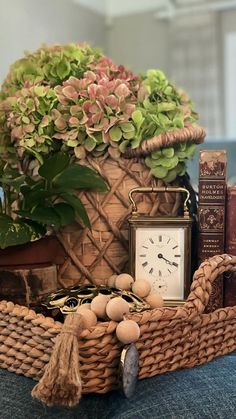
<point x="211" y="214"/>
<point x="230" y="246"/>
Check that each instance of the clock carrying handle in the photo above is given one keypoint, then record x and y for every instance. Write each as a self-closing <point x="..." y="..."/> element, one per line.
<point x="158" y="190"/>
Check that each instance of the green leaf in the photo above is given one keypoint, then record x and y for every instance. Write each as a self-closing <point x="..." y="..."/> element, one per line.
<point x="156" y="154"/>
<point x="72" y="143"/>
<point x="178" y="122"/>
<point x="181" y="168"/>
<point x="101" y="147"/>
<point x="80" y="177"/>
<point x="168" y="152"/>
<point x="115" y="133"/>
<point x="30" y="142"/>
<point x="171" y="176"/>
<point x="79" y="208"/>
<point x="182" y="146"/>
<point x="66" y="213"/>
<point x="137" y="116"/>
<point x="164" y="120"/>
<point x="151" y="163"/>
<point x="136" y="141"/>
<point x="129" y="135"/>
<point x="40" y="91"/>
<point x="181" y="155"/>
<point x="34" y="153"/>
<point x="168" y="90"/>
<point x="169" y="163"/>
<point x="46" y="216"/>
<point x="166" y="106"/>
<point x="159" y="172"/>
<point x="15" y="183"/>
<point x="90" y="144"/>
<point x="123" y="146"/>
<point x="25" y="120"/>
<point x="54" y="165"/>
<point x="190" y="150"/>
<point x="63" y="69"/>
<point x="127" y="127"/>
<point x="154" y="118"/>
<point x="18" y="232"/>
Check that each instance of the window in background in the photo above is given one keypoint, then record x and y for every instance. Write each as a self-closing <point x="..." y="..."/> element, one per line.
<point x="194" y="66"/>
<point x="230" y="84"/>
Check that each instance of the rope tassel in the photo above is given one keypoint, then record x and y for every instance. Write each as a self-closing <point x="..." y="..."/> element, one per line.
<point x="61" y="383"/>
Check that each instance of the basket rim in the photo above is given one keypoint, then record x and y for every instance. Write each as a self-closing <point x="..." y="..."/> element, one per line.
<point x="194" y="306"/>
<point x="191" y="132"/>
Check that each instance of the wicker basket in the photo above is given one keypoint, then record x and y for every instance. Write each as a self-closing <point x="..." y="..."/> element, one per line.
<point x="171" y="338"/>
<point x="102" y="251"/>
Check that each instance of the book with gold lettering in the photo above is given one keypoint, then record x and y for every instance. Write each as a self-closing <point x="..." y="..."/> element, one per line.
<point x="230" y="246"/>
<point x="211" y="214"/>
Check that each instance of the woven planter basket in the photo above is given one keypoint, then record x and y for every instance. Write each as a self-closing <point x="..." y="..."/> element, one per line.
<point x="171" y="338"/>
<point x="98" y="253"/>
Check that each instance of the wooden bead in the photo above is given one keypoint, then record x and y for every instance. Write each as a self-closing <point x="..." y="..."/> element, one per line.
<point x="98" y="305"/>
<point x="128" y="331"/>
<point x="124" y="281"/>
<point x="141" y="287"/>
<point x="89" y="318"/>
<point x="111" y="281"/>
<point x="117" y="308"/>
<point x="155" y="300"/>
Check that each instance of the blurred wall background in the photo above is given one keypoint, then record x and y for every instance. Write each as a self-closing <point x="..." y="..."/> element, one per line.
<point x="26" y="24"/>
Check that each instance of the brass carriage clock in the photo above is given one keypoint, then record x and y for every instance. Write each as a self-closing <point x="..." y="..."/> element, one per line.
<point x="160" y="249"/>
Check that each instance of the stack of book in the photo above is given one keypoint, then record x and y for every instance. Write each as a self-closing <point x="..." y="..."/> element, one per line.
<point x="217" y="222"/>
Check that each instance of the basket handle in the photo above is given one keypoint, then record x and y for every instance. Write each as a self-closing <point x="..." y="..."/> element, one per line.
<point x="203" y="279"/>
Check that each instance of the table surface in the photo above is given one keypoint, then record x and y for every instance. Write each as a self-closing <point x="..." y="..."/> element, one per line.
<point x="203" y="392"/>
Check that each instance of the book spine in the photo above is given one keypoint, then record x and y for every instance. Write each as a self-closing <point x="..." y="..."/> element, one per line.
<point x="211" y="214"/>
<point x="230" y="247"/>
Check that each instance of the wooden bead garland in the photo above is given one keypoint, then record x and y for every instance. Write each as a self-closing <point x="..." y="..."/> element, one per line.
<point x="116" y="308"/>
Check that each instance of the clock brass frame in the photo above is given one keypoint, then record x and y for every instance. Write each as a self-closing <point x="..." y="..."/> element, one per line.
<point x="141" y="221"/>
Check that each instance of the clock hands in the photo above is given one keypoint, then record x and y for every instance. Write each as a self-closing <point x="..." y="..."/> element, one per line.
<point x="160" y="256"/>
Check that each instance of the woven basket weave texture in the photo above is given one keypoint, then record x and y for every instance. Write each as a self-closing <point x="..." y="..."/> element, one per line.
<point x="103" y="250"/>
<point x="171" y="337"/>
<point x="98" y="253"/>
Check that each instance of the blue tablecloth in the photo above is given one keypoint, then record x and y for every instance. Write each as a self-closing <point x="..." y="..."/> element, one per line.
<point x="204" y="392"/>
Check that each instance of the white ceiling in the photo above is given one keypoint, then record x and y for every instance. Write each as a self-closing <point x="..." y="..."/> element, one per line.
<point x="162" y="8"/>
<point x="120" y="7"/>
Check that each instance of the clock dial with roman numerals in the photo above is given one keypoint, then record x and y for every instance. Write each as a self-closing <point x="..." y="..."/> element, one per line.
<point x="159" y="256"/>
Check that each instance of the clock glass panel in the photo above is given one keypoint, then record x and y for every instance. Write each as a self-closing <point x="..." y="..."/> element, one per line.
<point x="160" y="260"/>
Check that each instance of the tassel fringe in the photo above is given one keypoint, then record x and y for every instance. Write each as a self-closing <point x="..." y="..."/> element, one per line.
<point x="61" y="383"/>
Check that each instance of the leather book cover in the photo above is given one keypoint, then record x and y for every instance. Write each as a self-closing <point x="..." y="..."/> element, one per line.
<point x="230" y="246"/>
<point x="211" y="214"/>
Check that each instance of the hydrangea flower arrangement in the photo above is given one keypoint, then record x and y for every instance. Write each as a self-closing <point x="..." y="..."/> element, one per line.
<point x="73" y="99"/>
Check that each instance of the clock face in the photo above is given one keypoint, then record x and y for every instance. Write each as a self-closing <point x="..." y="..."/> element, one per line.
<point x="163" y="250"/>
<point x="160" y="260"/>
